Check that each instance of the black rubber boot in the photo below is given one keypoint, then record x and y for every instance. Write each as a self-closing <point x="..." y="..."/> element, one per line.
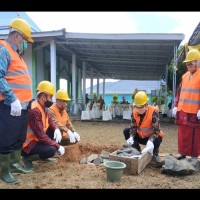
<point x="15" y="165"/>
<point x="28" y="160"/>
<point x="6" y="176"/>
<point x="160" y="162"/>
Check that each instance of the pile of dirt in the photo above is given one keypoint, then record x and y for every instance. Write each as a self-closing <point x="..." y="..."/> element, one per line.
<point x="74" y="152"/>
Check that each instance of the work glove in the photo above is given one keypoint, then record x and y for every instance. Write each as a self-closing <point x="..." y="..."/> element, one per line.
<point x="57" y="135"/>
<point x="149" y="147"/>
<point x="61" y="150"/>
<point x="71" y="136"/>
<point x="130" y="141"/>
<point x="174" y="111"/>
<point x="16" y="108"/>
<point x="198" y="114"/>
<point x="76" y="135"/>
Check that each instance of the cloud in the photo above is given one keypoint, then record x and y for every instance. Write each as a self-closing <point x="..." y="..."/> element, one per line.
<point x="187" y="22"/>
<point x="84" y="22"/>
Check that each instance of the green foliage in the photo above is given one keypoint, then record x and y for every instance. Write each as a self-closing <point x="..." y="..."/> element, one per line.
<point x="156" y="100"/>
<point x="181" y="69"/>
<point x="115" y="97"/>
<point x="94" y="95"/>
<point x="134" y="93"/>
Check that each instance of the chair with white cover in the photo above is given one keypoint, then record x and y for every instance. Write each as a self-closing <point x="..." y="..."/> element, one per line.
<point x="95" y="112"/>
<point x="127" y="113"/>
<point x="106" y="115"/>
<point x="85" y="115"/>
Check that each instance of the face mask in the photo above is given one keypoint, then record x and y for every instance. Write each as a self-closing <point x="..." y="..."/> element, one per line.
<point x="141" y="111"/>
<point x="48" y="104"/>
<point x="22" y="47"/>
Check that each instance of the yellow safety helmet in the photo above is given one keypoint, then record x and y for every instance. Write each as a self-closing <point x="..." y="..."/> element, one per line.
<point x="140" y="99"/>
<point x="46" y="86"/>
<point x="23" y="27"/>
<point x="192" y="55"/>
<point x="61" y="94"/>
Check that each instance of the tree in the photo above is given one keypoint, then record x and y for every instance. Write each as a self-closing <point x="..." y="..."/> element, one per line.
<point x="134" y="93"/>
<point x="115" y="98"/>
<point x="181" y="69"/>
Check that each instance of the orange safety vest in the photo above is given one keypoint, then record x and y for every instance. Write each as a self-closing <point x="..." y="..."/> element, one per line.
<point x="30" y="134"/>
<point x="63" y="119"/>
<point x="146" y="129"/>
<point x="17" y="76"/>
<point x="189" y="100"/>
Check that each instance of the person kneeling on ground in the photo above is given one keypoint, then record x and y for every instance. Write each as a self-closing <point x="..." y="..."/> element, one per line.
<point x="61" y="119"/>
<point x="145" y="128"/>
<point x="38" y="145"/>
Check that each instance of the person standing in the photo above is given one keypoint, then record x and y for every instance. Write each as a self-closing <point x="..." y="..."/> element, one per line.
<point x="38" y="145"/>
<point x="61" y="119"/>
<point x="15" y="94"/>
<point x="187" y="109"/>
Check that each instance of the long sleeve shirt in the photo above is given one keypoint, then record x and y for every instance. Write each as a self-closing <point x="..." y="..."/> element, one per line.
<point x="155" y="125"/>
<point x="65" y="127"/>
<point x="5" y="90"/>
<point x="36" y="124"/>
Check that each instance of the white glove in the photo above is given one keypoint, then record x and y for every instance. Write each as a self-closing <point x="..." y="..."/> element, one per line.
<point x="16" y="108"/>
<point x="61" y="150"/>
<point x="57" y="135"/>
<point x="174" y="111"/>
<point x="76" y="135"/>
<point x="130" y="141"/>
<point x="71" y="136"/>
<point x="198" y="114"/>
<point x="149" y="147"/>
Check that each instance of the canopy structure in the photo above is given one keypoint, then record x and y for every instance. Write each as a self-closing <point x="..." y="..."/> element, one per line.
<point x="134" y="56"/>
<point x="125" y="56"/>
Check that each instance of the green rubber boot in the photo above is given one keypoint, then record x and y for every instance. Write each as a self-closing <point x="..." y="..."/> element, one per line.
<point x="15" y="165"/>
<point x="6" y="176"/>
<point x="28" y="160"/>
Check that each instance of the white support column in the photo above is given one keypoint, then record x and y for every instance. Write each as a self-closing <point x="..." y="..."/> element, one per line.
<point x="74" y="83"/>
<point x="97" y="86"/>
<point x="104" y="88"/>
<point x="91" y="83"/>
<point x="53" y="65"/>
<point x="79" y="83"/>
<point x="84" y="82"/>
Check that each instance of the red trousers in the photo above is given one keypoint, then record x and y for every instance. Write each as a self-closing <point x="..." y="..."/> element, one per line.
<point x="188" y="140"/>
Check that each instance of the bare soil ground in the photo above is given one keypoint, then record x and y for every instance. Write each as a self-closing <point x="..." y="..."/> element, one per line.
<point x="67" y="173"/>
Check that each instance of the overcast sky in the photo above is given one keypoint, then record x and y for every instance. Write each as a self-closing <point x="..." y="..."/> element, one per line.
<point x="118" y="22"/>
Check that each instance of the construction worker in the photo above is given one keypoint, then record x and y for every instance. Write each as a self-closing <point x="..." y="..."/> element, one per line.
<point x="15" y="94"/>
<point x="61" y="119"/>
<point x="145" y="127"/>
<point x="38" y="145"/>
<point x="187" y="109"/>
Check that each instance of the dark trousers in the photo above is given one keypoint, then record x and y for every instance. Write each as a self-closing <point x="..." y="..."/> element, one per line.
<point x="13" y="129"/>
<point x="44" y="151"/>
<point x="143" y="141"/>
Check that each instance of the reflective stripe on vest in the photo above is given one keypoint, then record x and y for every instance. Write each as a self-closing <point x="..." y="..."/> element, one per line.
<point x="63" y="119"/>
<point x="17" y="76"/>
<point x="189" y="100"/>
<point x="145" y="129"/>
<point x="30" y="136"/>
